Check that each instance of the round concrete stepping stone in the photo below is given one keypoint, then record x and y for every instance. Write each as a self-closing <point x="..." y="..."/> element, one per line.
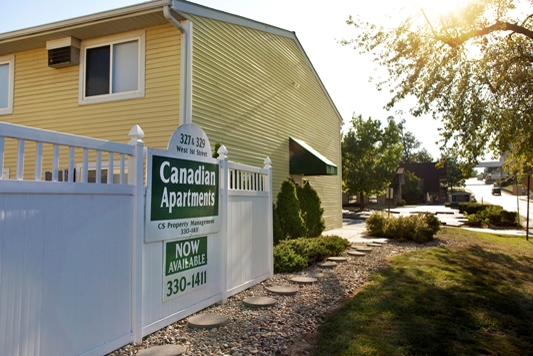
<point x="363" y="249"/>
<point x="312" y="274"/>
<point x="207" y="321"/>
<point x="164" y="350"/>
<point x="383" y="242"/>
<point x="337" y="259"/>
<point x="282" y="290"/>
<point x="326" y="264"/>
<point x="304" y="280"/>
<point x="372" y="244"/>
<point x="259" y="302"/>
<point x="356" y="253"/>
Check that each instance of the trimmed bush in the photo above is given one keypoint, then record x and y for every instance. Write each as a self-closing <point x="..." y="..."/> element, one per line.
<point x="472" y="208"/>
<point x="288" y="208"/>
<point x="295" y="255"/>
<point x="311" y="209"/>
<point x="419" y="228"/>
<point x="286" y="260"/>
<point x="493" y="215"/>
<point x="375" y="224"/>
<point x="277" y="232"/>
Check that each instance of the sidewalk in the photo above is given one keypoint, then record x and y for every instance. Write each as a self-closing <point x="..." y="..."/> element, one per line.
<point x="354" y="226"/>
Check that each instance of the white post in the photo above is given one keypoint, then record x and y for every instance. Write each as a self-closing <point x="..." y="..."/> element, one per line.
<point x="136" y="178"/>
<point x="223" y="212"/>
<point x="270" y="228"/>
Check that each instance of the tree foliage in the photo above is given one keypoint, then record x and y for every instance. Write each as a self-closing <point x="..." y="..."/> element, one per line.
<point x="411" y="190"/>
<point x="370" y="156"/>
<point x="288" y="212"/>
<point x="312" y="211"/>
<point x="471" y="68"/>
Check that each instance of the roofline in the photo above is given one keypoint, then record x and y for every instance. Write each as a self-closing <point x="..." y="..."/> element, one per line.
<point x="181" y="6"/>
<point x="99" y="16"/>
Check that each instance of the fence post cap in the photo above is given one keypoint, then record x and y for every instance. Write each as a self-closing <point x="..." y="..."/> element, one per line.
<point x="136" y="134"/>
<point x="222" y="152"/>
<point x="267" y="162"/>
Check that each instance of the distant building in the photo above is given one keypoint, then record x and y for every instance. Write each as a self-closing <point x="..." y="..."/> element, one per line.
<point x="431" y="178"/>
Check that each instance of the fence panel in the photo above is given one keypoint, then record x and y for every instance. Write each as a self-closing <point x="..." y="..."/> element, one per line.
<point x="65" y="253"/>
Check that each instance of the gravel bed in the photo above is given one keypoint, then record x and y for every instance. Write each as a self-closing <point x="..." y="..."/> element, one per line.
<point x="286" y="328"/>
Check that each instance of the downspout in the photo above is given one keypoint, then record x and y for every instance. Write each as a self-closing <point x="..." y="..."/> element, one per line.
<point x="185" y="116"/>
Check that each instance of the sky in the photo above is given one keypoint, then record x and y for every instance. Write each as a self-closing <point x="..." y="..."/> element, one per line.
<point x="319" y="27"/>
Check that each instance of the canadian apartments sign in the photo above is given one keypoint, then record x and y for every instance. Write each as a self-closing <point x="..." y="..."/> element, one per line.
<point x="183" y="188"/>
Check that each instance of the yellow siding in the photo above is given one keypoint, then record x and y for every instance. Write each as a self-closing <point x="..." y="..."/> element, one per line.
<point x="48" y="98"/>
<point x="244" y="98"/>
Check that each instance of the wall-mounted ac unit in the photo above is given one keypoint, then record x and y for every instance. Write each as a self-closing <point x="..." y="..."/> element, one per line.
<point x="63" y="52"/>
<point x="62" y="175"/>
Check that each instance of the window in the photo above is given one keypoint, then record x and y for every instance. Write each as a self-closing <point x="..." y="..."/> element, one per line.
<point x="91" y="174"/>
<point x="112" y="68"/>
<point x="6" y="84"/>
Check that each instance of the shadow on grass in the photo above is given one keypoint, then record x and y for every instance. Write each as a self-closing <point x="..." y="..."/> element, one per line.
<point x="439" y="302"/>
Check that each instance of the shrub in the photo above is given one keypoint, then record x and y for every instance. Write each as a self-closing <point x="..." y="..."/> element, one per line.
<point x="311" y="209"/>
<point x="493" y="215"/>
<point x="286" y="260"/>
<point x="375" y="224"/>
<point x="418" y="228"/>
<point x="294" y="255"/>
<point x="400" y="202"/>
<point x="277" y="232"/>
<point x="288" y="208"/>
<point x="472" y="208"/>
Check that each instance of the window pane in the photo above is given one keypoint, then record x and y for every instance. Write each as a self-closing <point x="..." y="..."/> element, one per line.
<point x="125" y="66"/>
<point x="4" y="85"/>
<point x="97" y="71"/>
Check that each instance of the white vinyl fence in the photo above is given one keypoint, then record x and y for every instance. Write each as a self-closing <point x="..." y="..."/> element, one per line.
<point x="76" y="277"/>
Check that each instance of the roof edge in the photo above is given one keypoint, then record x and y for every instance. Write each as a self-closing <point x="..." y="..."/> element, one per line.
<point x="104" y="15"/>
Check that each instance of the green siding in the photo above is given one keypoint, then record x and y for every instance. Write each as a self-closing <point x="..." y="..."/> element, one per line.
<point x="244" y="98"/>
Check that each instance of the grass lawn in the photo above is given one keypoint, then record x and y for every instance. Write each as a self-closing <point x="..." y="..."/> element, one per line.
<point x="476" y="299"/>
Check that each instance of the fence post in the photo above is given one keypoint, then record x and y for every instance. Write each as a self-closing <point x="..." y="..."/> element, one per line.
<point x="224" y="216"/>
<point x="270" y="228"/>
<point x="136" y="178"/>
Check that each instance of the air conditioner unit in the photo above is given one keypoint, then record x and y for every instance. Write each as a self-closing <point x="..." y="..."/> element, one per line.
<point x="63" y="52"/>
<point x="62" y="175"/>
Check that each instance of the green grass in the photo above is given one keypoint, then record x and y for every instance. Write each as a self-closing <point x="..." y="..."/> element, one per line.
<point x="476" y="299"/>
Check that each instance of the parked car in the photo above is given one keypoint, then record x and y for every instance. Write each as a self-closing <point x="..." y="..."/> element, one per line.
<point x="496" y="191"/>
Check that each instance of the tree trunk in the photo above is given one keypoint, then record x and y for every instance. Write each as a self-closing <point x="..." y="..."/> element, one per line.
<point x="362" y="201"/>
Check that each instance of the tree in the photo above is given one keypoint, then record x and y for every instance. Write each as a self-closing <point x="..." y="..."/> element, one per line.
<point x="312" y="211"/>
<point x="410" y="145"/>
<point x="411" y="190"/>
<point x="288" y="212"/>
<point x="471" y="68"/>
<point x="370" y="156"/>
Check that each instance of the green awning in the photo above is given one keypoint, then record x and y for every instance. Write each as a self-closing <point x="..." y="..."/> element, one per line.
<point x="305" y="160"/>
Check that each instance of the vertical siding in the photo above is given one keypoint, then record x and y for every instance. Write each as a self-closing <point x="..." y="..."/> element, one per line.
<point x="244" y="98"/>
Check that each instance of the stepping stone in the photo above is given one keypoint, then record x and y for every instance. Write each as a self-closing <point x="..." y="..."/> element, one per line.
<point x="164" y="350"/>
<point x="207" y="321"/>
<point x="282" y="290"/>
<point x="326" y="264"/>
<point x="304" y="280"/>
<point x="356" y="253"/>
<point x="259" y="302"/>
<point x="363" y="249"/>
<point x="371" y="244"/>
<point x="337" y="259"/>
<point x="313" y="274"/>
<point x="380" y="242"/>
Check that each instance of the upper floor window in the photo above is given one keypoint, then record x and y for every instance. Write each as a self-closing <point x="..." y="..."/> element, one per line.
<point x="6" y="84"/>
<point x="112" y="68"/>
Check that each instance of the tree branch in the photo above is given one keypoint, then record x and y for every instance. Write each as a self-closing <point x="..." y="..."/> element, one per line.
<point x="498" y="26"/>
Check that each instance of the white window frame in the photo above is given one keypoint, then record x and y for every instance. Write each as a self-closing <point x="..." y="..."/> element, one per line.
<point x="110" y="40"/>
<point x="91" y="167"/>
<point x="9" y="60"/>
